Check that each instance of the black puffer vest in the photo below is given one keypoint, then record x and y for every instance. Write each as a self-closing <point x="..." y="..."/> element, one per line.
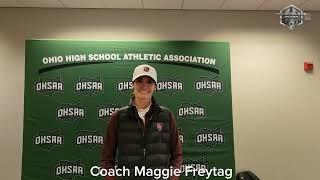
<point x="149" y="148"/>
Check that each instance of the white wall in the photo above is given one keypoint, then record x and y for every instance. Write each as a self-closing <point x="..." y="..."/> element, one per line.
<point x="275" y="103"/>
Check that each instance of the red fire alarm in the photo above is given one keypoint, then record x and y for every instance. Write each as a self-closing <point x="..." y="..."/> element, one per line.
<point x="308" y="66"/>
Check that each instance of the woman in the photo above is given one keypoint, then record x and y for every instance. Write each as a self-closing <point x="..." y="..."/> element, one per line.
<point x="142" y="133"/>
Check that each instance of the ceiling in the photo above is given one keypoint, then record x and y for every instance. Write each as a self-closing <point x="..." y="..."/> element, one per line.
<point x="309" y="5"/>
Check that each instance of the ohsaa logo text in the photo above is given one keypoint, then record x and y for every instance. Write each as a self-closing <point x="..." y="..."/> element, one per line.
<point x="89" y="139"/>
<point x="47" y="140"/>
<point x="170" y="86"/>
<point x="105" y="111"/>
<point x="124" y="85"/>
<point x="195" y="163"/>
<point x="210" y="137"/>
<point x="180" y="135"/>
<point x="47" y="86"/>
<point x="208" y="85"/>
<point x="192" y="110"/>
<point x="68" y="169"/>
<point x="87" y="86"/>
<point x="70" y="112"/>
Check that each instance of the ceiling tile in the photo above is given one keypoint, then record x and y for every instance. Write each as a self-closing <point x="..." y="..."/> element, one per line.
<point x="9" y="3"/>
<point x="274" y="5"/>
<point x="84" y="3"/>
<point x="309" y="5"/>
<point x="134" y="4"/>
<point x="162" y="4"/>
<point x="241" y="5"/>
<point x="40" y="3"/>
<point x="296" y="2"/>
<point x="202" y="4"/>
<point x="312" y="5"/>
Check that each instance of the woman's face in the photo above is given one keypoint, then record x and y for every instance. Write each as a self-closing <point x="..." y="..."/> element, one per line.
<point x="143" y="87"/>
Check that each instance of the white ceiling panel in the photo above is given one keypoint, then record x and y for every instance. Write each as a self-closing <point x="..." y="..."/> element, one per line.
<point x="274" y="5"/>
<point x="296" y="2"/>
<point x="308" y="5"/>
<point x="202" y="4"/>
<point x="312" y="5"/>
<point x="162" y="4"/>
<point x="41" y="3"/>
<point x="84" y="3"/>
<point x="9" y="3"/>
<point x="241" y="5"/>
<point x="134" y="4"/>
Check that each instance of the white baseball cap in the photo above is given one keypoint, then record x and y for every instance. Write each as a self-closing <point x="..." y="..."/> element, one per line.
<point x="144" y="70"/>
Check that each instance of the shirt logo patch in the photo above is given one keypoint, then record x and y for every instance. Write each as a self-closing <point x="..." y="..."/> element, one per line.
<point x="159" y="126"/>
<point x="146" y="69"/>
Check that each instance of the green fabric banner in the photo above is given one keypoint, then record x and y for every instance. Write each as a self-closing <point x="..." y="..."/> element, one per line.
<point x="72" y="87"/>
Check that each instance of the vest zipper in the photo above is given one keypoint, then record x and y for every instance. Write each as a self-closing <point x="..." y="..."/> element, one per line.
<point x="143" y="135"/>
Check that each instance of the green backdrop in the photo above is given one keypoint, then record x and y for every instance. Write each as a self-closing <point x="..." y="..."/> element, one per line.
<point x="72" y="87"/>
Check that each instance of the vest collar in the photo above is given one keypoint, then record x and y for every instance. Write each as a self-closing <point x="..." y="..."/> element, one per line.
<point x="154" y="109"/>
